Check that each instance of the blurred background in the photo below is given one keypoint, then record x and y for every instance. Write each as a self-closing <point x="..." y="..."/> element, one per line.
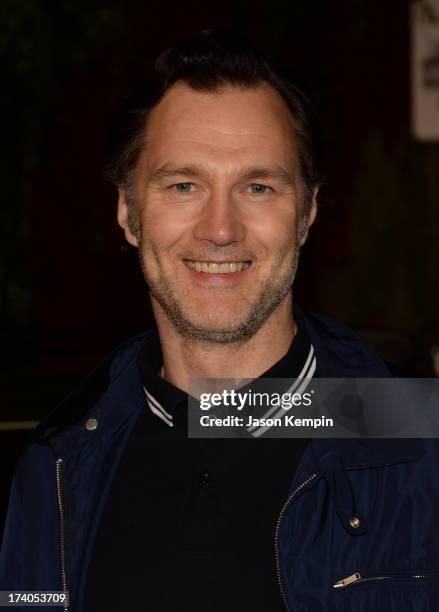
<point x="69" y="292"/>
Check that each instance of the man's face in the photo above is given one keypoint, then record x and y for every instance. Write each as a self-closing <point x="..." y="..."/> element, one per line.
<point x="217" y="195"/>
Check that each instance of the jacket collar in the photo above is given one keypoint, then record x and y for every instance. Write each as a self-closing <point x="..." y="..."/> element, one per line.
<point x="341" y="353"/>
<point x="110" y="394"/>
<point x="113" y="392"/>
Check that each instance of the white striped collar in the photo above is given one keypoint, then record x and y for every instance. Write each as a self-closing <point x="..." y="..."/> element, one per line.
<point x="300" y="347"/>
<point x="158" y="409"/>
<point x="299" y="385"/>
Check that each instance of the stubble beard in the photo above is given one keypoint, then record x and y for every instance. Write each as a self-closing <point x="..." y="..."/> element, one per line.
<point x="271" y="295"/>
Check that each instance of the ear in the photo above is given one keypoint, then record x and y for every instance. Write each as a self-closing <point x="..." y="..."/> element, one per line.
<point x="123" y="217"/>
<point x="310" y="218"/>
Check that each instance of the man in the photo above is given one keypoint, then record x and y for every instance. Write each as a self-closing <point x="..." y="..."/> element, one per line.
<point x="112" y="502"/>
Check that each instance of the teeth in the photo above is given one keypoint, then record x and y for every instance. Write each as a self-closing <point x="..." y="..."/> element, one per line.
<point x="217" y="268"/>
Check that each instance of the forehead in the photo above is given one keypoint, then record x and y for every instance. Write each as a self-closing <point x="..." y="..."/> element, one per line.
<point x="228" y="126"/>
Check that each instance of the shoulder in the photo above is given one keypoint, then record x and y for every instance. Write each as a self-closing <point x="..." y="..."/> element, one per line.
<point x="340" y="351"/>
<point x="112" y="373"/>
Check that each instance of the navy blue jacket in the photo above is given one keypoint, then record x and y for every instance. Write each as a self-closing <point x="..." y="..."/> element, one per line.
<point x="362" y="509"/>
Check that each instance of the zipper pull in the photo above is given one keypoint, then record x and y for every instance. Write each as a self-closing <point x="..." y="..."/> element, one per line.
<point x="345" y="581"/>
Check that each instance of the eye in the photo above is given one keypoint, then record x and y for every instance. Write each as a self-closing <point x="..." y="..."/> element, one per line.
<point x="183" y="187"/>
<point x="258" y="188"/>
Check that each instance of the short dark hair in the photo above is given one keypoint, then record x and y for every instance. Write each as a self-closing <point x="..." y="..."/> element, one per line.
<point x="206" y="62"/>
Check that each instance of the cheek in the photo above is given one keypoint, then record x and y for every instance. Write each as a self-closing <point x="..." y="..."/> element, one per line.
<point x="161" y="232"/>
<point x="278" y="234"/>
<point x="133" y="219"/>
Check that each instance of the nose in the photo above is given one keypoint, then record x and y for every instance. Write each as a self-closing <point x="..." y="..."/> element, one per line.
<point x="220" y="221"/>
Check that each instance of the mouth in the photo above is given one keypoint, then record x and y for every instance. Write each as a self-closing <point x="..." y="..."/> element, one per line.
<point x="217" y="267"/>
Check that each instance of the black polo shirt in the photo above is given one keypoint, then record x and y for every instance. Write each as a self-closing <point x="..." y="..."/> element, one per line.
<point x="189" y="524"/>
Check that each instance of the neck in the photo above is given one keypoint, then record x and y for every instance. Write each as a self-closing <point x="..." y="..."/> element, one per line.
<point x="185" y="358"/>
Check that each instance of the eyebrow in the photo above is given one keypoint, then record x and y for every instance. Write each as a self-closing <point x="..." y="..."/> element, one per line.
<point x="275" y="172"/>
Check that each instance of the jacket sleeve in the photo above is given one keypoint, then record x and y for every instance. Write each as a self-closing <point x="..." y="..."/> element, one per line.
<point x="12" y="543"/>
<point x="29" y="555"/>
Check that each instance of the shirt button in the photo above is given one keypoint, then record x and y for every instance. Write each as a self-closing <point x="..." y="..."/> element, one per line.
<point x="91" y="424"/>
<point x="205" y="478"/>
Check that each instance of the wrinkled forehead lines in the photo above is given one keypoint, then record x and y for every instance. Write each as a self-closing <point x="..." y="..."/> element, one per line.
<point x="230" y="117"/>
<point x="182" y="95"/>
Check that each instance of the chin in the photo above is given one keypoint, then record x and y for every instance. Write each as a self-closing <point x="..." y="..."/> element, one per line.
<point x="218" y="331"/>
<point x="222" y="326"/>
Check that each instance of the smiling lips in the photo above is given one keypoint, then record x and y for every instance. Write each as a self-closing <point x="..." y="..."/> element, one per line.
<point x="217" y="267"/>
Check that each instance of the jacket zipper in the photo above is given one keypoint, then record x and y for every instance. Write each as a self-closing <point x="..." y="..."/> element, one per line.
<point x="358" y="579"/>
<point x="276" y="537"/>
<point x="61" y="530"/>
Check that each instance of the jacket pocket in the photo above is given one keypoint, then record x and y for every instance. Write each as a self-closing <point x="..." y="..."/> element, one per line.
<point x="386" y="579"/>
<point x="408" y="591"/>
